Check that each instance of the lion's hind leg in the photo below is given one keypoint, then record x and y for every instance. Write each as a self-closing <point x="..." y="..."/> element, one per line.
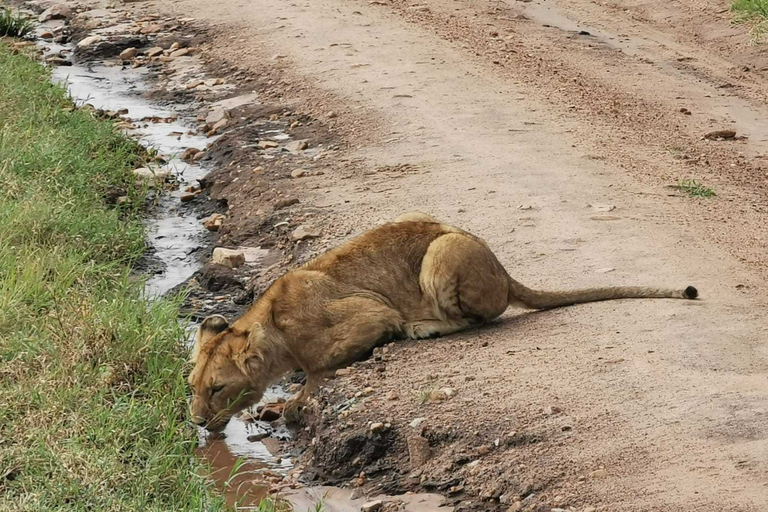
<point x="463" y="284"/>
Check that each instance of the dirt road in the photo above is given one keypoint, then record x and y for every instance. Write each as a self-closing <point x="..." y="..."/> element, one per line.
<point x="552" y="130"/>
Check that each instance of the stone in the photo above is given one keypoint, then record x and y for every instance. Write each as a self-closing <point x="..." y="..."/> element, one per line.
<point x="303" y="145"/>
<point x="305" y="232"/>
<point x="90" y="41"/>
<point x="267" y="144"/>
<point x="145" y="173"/>
<point x="343" y="371"/>
<point x="219" y="126"/>
<point x="419" y="451"/>
<point x="189" y="154"/>
<point x="181" y="52"/>
<point x="285" y="202"/>
<point x="721" y="135"/>
<point x="392" y="395"/>
<point x="56" y="12"/>
<point x="271" y="412"/>
<point x="372" y="506"/>
<point x="128" y="54"/>
<point x="589" y="509"/>
<point x="604" y="207"/>
<point x="257" y="437"/>
<point x="214" y="222"/>
<point x="216" y="115"/>
<point x="154" y="28"/>
<point x="599" y="473"/>
<point x="515" y="507"/>
<point x="377" y="427"/>
<point x="368" y="391"/>
<point x="416" y="422"/>
<point x="46" y="35"/>
<point x="332" y="114"/>
<point x="298" y="173"/>
<point x="447" y="392"/>
<point x="58" y="61"/>
<point x="231" y="258"/>
<point x="188" y="196"/>
<point x="154" y="52"/>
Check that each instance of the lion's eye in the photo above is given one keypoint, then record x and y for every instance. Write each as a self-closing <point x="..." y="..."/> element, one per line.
<point x="216" y="389"/>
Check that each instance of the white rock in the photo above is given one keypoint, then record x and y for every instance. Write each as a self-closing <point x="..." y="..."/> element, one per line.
<point x="128" y="54"/>
<point x="228" y="257"/>
<point x="372" y="506"/>
<point x="305" y="232"/>
<point x="416" y="422"/>
<point x="90" y="41"/>
<point x="298" y="173"/>
<point x="55" y="12"/>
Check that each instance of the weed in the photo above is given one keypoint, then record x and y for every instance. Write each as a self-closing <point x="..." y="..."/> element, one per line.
<point x="92" y="391"/>
<point x="14" y="25"/>
<point x="754" y="12"/>
<point x="693" y="188"/>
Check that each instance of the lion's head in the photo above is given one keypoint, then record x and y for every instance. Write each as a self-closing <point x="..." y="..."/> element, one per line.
<point x="226" y="377"/>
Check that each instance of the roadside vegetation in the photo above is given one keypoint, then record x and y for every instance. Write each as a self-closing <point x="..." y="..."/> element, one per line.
<point x="14" y="25"/>
<point x="693" y="188"/>
<point x="754" y="12"/>
<point x="92" y="390"/>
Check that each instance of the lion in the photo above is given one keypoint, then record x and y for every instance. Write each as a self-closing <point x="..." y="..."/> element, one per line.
<point x="415" y="277"/>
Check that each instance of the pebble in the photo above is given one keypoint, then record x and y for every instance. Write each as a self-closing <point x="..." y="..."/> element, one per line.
<point x="419" y="451"/>
<point x="599" y="473"/>
<point x="447" y="392"/>
<point x="392" y="395"/>
<point x="257" y="437"/>
<point x="285" y="202"/>
<point x="515" y="507"/>
<point x="188" y="196"/>
<point x="343" y="371"/>
<point x="589" y="509"/>
<point x="47" y="35"/>
<point x="267" y="144"/>
<point x="55" y="12"/>
<point x="189" y="154"/>
<point x="154" y="51"/>
<point x="128" y="54"/>
<point x="416" y="422"/>
<point x="181" y="52"/>
<point x="89" y="41"/>
<point x="377" y="427"/>
<point x="368" y="391"/>
<point x="305" y="232"/>
<point x="332" y="114"/>
<point x="214" y="222"/>
<point x="298" y="173"/>
<point x="372" y="506"/>
<point x="720" y="134"/>
<point x="231" y="258"/>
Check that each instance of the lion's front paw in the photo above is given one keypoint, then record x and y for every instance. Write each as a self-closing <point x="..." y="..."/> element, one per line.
<point x="293" y="411"/>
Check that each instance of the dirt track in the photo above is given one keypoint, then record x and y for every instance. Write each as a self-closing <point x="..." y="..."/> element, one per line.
<point x="526" y="132"/>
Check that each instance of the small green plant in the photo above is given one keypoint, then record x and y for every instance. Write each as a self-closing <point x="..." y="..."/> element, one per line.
<point x="425" y="395"/>
<point x="274" y="504"/>
<point x="14" y="25"/>
<point x="754" y="12"/>
<point x="693" y="188"/>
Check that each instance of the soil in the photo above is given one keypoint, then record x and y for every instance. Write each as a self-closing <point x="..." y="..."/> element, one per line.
<point x="556" y="131"/>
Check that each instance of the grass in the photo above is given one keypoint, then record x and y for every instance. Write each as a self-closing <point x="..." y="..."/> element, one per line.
<point x="14" y="25"/>
<point x="92" y="391"/>
<point x="693" y="188"/>
<point x="754" y="12"/>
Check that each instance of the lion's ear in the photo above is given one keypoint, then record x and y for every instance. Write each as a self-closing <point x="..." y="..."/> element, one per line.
<point x="249" y="356"/>
<point x="211" y="326"/>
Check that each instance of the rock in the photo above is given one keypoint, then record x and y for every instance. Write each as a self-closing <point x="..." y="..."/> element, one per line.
<point x="298" y="173"/>
<point x="721" y="134"/>
<point x="589" y="509"/>
<point x="193" y="84"/>
<point x="285" y="203"/>
<point x="515" y="507"/>
<point x="62" y="39"/>
<point x="418" y="451"/>
<point x="447" y="392"/>
<point x="214" y="222"/>
<point x="685" y="111"/>
<point x="154" y="52"/>
<point x="368" y="391"/>
<point x="552" y="409"/>
<point x="58" y="61"/>
<point x="372" y="506"/>
<point x="267" y="144"/>
<point x="189" y="154"/>
<point x="294" y="388"/>
<point x="271" y="412"/>
<point x="46" y="35"/>
<point x="56" y="12"/>
<point x="392" y="395"/>
<point x="216" y="115"/>
<point x="175" y="46"/>
<point x="377" y="427"/>
<point x="90" y="41"/>
<point x="181" y="52"/>
<point x="145" y="173"/>
<point x="257" y="437"/>
<point x="603" y="207"/>
<point x="231" y="258"/>
<point x="154" y="28"/>
<point x="343" y="371"/>
<point x="218" y="126"/>
<point x="128" y="53"/>
<point x="599" y="473"/>
<point x="416" y="422"/>
<point x="188" y="196"/>
<point x="305" y="232"/>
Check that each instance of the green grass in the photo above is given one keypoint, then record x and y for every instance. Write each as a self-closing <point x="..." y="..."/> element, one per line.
<point x="14" y="25"/>
<point x="754" y="12"/>
<point x="693" y="188"/>
<point x="92" y="391"/>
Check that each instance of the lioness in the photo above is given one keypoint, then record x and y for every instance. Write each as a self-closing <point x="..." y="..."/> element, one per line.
<point x="415" y="277"/>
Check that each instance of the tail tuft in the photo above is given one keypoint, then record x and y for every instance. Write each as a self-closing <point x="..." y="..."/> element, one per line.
<point x="691" y="292"/>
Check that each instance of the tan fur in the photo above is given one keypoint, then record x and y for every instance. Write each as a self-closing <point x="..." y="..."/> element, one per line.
<point x="415" y="277"/>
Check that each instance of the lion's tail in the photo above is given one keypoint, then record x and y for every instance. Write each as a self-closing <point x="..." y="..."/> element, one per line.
<point x="536" y="299"/>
